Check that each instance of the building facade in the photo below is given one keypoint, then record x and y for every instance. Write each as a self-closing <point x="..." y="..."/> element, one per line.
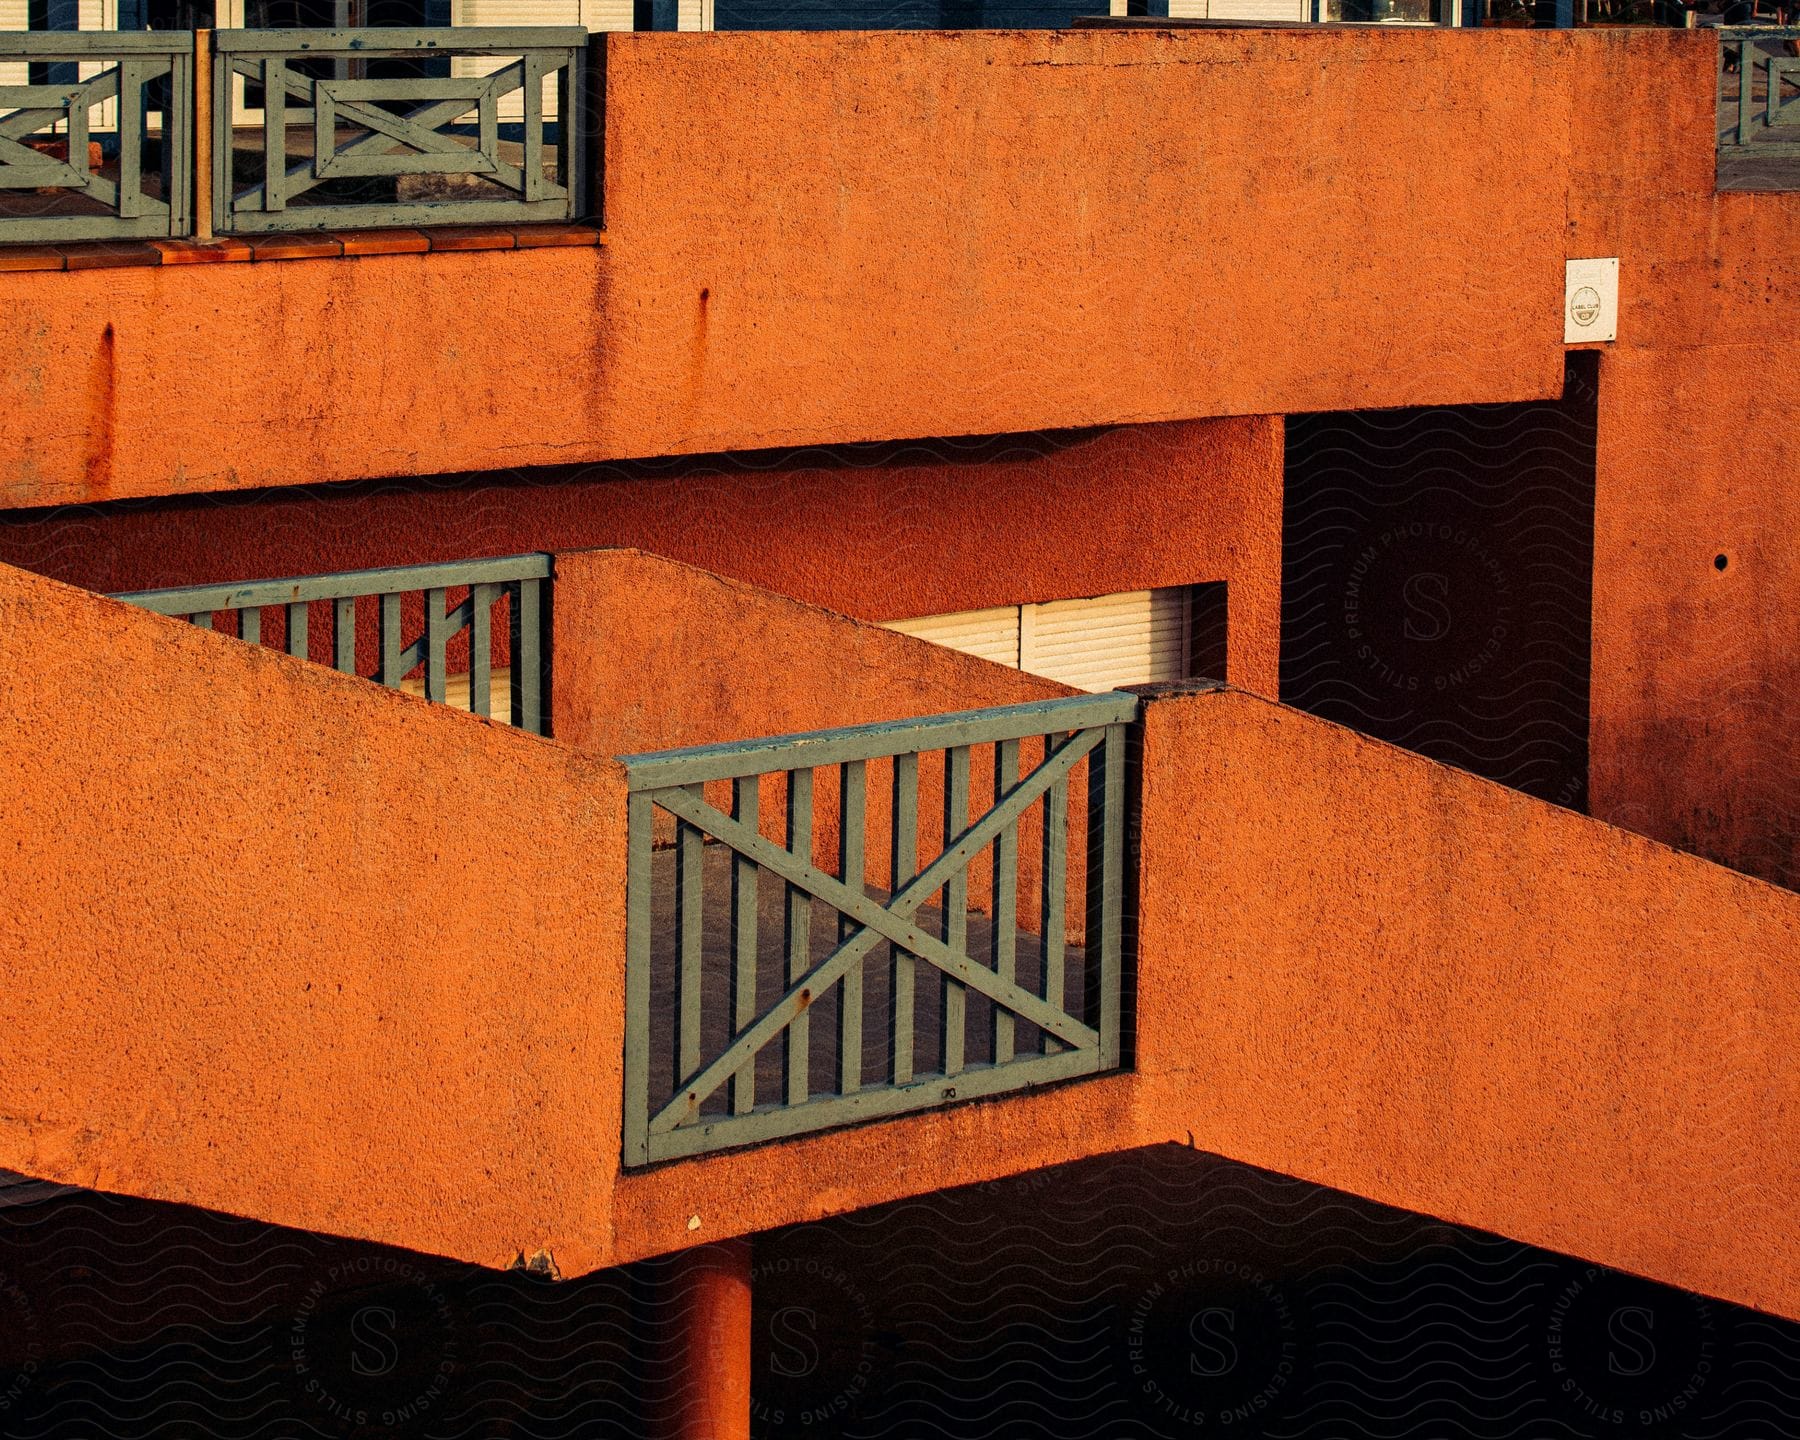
<point x="1269" y="684"/>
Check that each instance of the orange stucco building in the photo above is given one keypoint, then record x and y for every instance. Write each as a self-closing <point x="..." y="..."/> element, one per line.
<point x="953" y="378"/>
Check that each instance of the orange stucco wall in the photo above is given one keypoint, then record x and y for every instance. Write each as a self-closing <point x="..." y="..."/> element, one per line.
<point x="1354" y="965"/>
<point x="880" y="532"/>
<point x="1382" y="974"/>
<point x="288" y="944"/>
<point x="831" y="237"/>
<point x="652" y="655"/>
<point x="1696" y="679"/>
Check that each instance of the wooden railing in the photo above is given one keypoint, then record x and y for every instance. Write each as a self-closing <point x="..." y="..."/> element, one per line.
<point x="1756" y="64"/>
<point x="299" y="130"/>
<point x="418" y="148"/>
<point x="438" y="603"/>
<point x="136" y="88"/>
<point x="752" y="1016"/>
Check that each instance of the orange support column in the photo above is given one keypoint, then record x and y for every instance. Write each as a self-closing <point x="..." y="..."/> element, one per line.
<point x="701" y="1381"/>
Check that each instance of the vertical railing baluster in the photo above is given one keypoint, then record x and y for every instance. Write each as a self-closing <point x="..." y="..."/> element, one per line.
<point x="181" y="126"/>
<point x="852" y="817"/>
<point x="224" y="118"/>
<point x="639" y="812"/>
<point x="296" y="629"/>
<point x="437" y="643"/>
<point x="1106" y="889"/>
<point x="1006" y="896"/>
<point x="797" y="936"/>
<point x="527" y="673"/>
<point x="690" y="964"/>
<point x="392" y="672"/>
<point x="744" y="873"/>
<point x="132" y="75"/>
<point x="904" y="860"/>
<point x="274" y="134"/>
<point x="201" y="620"/>
<point x="953" y="927"/>
<point x="481" y="649"/>
<point x="531" y="164"/>
<point x="1053" y="915"/>
<point x="1745" y="71"/>
<point x="250" y="624"/>
<point x="343" y="627"/>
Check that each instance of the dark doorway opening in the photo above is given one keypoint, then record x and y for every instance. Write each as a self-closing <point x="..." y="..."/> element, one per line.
<point x="1438" y="577"/>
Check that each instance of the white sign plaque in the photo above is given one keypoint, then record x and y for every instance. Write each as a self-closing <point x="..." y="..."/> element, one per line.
<point x="1590" y="300"/>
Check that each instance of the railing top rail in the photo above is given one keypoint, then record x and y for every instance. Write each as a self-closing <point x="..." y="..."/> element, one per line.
<point x="509" y="39"/>
<point x="658" y="769"/>
<point x="195" y="599"/>
<point x="93" y="44"/>
<point x="1755" y="32"/>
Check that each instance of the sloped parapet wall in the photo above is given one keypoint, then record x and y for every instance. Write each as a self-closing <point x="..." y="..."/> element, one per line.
<point x="281" y="943"/>
<point x="1376" y="972"/>
<point x="284" y="943"/>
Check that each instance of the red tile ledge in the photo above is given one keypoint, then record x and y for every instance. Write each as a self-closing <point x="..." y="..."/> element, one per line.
<point x="110" y="255"/>
<point x="14" y="258"/>
<point x="202" y="252"/>
<point x="325" y="244"/>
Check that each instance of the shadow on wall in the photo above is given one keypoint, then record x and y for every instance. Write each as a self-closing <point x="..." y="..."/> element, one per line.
<point x="1163" y="1293"/>
<point x="1437" y="581"/>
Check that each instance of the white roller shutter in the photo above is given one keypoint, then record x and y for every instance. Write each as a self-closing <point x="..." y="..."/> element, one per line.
<point x="1130" y="638"/>
<point x="991" y="634"/>
<point x="1240" y="9"/>
<point x="1125" y="639"/>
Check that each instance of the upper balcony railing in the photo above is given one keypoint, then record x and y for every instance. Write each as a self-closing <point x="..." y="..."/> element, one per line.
<point x="436" y="604"/>
<point x="1759" y="95"/>
<point x="399" y="127"/>
<point x="756" y="1017"/>
<point x="248" y="132"/>
<point x="56" y="182"/>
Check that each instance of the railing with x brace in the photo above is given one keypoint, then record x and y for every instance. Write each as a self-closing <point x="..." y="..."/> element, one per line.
<point x="476" y="143"/>
<point x="1755" y="61"/>
<point x="752" y="1016"/>
<point x="437" y="603"/>
<point x="137" y="87"/>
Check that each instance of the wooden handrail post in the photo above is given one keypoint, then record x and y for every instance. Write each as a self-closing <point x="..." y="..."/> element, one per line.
<point x="203" y="135"/>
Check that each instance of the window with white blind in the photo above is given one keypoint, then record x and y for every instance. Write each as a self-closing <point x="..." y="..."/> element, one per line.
<point x="1130" y="638"/>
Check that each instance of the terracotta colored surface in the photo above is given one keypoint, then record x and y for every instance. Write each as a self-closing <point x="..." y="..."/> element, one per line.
<point x="1372" y="971"/>
<point x="1696" y="680"/>
<point x="700" y="1382"/>
<point x="1388" y="976"/>
<point x="877" y="532"/>
<point x="1355" y="966"/>
<point x="885" y="235"/>
<point x="286" y="944"/>
<point x="653" y="655"/>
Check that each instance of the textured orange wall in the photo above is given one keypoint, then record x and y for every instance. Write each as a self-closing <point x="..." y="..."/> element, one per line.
<point x="850" y="236"/>
<point x="1382" y="974"/>
<point x="878" y="532"/>
<point x="290" y="945"/>
<point x="652" y="655"/>
<point x="1356" y="966"/>
<point x="1695" y="698"/>
<point x="1373" y="971"/>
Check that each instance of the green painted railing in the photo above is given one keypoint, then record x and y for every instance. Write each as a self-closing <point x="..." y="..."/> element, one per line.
<point x="1767" y="80"/>
<point x="437" y="603"/>
<point x="143" y="86"/>
<point x="753" y="1016"/>
<point x="378" y="148"/>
